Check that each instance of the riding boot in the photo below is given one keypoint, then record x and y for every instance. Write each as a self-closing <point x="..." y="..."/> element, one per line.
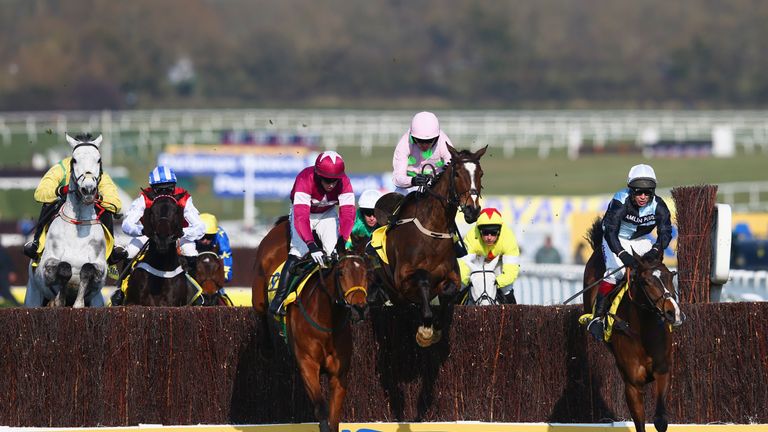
<point x="118" y="253"/>
<point x="118" y="297"/>
<point x="30" y="248"/>
<point x="191" y="265"/>
<point x="597" y="326"/>
<point x="276" y="306"/>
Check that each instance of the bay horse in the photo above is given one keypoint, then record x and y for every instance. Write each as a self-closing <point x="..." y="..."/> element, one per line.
<point x="643" y="353"/>
<point x="318" y="323"/>
<point x="209" y="273"/>
<point x="73" y="266"/>
<point x="420" y="244"/>
<point x="159" y="279"/>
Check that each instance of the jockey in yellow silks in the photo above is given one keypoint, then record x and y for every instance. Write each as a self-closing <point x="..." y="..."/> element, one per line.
<point x="53" y="189"/>
<point x="491" y="238"/>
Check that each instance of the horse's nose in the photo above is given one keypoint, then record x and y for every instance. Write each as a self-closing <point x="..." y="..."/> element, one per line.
<point x="470" y="214"/>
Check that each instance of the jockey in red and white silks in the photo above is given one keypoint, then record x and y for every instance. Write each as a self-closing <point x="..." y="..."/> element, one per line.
<point x="162" y="181"/>
<point x="423" y="144"/>
<point x="316" y="193"/>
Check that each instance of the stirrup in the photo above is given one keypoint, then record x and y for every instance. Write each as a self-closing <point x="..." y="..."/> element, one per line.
<point x="30" y="249"/>
<point x="596" y="328"/>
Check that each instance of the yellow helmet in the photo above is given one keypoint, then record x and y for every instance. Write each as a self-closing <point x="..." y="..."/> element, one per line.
<point x="490" y="216"/>
<point x="211" y="224"/>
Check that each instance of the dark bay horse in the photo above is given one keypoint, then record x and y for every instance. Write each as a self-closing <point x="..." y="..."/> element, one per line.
<point x="644" y="352"/>
<point x="318" y="323"/>
<point x="420" y="246"/>
<point x="159" y="279"/>
<point x="209" y="273"/>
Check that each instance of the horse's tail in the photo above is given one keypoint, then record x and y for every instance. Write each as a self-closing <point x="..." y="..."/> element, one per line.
<point x="281" y="219"/>
<point x="595" y="236"/>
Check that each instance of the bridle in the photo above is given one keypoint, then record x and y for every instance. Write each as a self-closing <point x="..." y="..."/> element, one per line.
<point x="453" y="198"/>
<point x="652" y="304"/>
<point x="79" y="179"/>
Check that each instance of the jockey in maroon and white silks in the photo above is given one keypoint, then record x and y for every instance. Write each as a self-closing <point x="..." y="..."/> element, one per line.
<point x="314" y="197"/>
<point x="314" y="205"/>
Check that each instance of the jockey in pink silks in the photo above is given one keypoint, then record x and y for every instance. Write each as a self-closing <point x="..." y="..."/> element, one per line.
<point x="316" y="193"/>
<point x="424" y="144"/>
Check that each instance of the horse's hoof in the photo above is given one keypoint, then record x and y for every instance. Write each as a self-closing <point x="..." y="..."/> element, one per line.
<point x="424" y="336"/>
<point x="660" y="424"/>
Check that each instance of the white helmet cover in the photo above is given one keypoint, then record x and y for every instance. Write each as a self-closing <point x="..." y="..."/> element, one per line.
<point x="368" y="198"/>
<point x="641" y="176"/>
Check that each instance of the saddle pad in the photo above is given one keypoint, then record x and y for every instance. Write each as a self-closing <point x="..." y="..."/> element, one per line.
<point x="379" y="242"/>
<point x="293" y="295"/>
<point x="107" y="236"/>
<point x="586" y="318"/>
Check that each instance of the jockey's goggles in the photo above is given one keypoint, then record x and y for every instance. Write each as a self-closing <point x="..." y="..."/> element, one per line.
<point x="328" y="181"/>
<point x="366" y="212"/>
<point x="164" y="188"/>
<point x="641" y="191"/>
<point x="420" y="141"/>
<point x="492" y="231"/>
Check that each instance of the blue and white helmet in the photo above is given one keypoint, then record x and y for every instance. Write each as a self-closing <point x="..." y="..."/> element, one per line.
<point x="161" y="174"/>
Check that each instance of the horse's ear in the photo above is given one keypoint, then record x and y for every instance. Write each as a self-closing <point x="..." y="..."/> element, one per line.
<point x="72" y="142"/>
<point x="97" y="141"/>
<point x="478" y="154"/>
<point x="453" y="152"/>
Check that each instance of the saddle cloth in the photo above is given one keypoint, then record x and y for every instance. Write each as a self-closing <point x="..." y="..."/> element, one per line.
<point x="293" y="293"/>
<point x="107" y="236"/>
<point x="197" y="289"/>
<point x="610" y="317"/>
<point x="379" y="243"/>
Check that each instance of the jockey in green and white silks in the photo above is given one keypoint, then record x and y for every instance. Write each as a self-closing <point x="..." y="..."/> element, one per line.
<point x="633" y="213"/>
<point x="365" y="220"/>
<point x="423" y="144"/>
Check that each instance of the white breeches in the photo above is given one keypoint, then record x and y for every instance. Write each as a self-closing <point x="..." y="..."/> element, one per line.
<point x="326" y="227"/>
<point x="612" y="262"/>
<point x="133" y="247"/>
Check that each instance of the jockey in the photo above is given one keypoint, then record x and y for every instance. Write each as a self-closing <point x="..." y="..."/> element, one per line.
<point x="315" y="194"/>
<point x="52" y="191"/>
<point x="423" y="144"/>
<point x="365" y="221"/>
<point x="489" y="239"/>
<point x="631" y="216"/>
<point x="162" y="181"/>
<point x="215" y="236"/>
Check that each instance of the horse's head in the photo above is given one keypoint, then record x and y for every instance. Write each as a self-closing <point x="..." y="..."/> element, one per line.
<point x="210" y="275"/>
<point x="164" y="221"/>
<point x="465" y="181"/>
<point x="85" y="166"/>
<point x="655" y="281"/>
<point x="352" y="277"/>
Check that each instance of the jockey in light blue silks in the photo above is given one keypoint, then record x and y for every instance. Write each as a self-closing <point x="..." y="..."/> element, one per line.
<point x="162" y="181"/>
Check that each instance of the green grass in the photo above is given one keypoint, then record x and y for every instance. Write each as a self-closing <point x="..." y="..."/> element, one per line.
<point x="525" y="174"/>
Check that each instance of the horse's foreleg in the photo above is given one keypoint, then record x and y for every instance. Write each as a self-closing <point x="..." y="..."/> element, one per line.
<point x="662" y="387"/>
<point x="425" y="332"/>
<point x="57" y="275"/>
<point x="634" y="396"/>
<point x="338" y="392"/>
<point x="310" y="373"/>
<point x="89" y="282"/>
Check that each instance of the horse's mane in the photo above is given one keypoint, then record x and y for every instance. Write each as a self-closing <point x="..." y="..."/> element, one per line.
<point x="84" y="137"/>
<point x="595" y="236"/>
<point x="281" y="219"/>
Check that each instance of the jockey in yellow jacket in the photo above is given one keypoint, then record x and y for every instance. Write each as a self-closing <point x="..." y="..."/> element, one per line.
<point x="52" y="191"/>
<point x="489" y="239"/>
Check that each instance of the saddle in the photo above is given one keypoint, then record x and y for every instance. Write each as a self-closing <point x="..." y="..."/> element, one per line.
<point x="611" y="320"/>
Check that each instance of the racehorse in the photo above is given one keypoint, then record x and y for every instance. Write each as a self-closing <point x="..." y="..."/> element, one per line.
<point x="482" y="289"/>
<point x="209" y="273"/>
<point x="318" y="324"/>
<point x="72" y="268"/>
<point x="420" y="244"/>
<point x="643" y="353"/>
<point x="159" y="279"/>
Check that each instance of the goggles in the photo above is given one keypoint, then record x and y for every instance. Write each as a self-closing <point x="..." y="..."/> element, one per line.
<point x="642" y="191"/>
<point x="366" y="212"/>
<point x="420" y="141"/>
<point x="329" y="181"/>
<point x="164" y="188"/>
<point x="489" y="231"/>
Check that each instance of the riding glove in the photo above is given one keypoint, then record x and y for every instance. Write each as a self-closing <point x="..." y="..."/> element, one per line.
<point x="317" y="254"/>
<point x="419" y="180"/>
<point x="653" y="254"/>
<point x="627" y="259"/>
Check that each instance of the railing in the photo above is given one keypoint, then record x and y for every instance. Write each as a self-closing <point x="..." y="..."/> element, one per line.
<point x="542" y="131"/>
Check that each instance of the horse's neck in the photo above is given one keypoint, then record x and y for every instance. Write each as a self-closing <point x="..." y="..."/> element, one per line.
<point x="75" y="208"/>
<point x="439" y="211"/>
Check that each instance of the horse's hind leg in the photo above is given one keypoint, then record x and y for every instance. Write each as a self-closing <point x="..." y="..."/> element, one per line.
<point x="634" y="396"/>
<point x="310" y="373"/>
<point x="662" y="387"/>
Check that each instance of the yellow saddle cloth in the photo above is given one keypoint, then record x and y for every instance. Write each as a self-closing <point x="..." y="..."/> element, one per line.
<point x="275" y="278"/>
<point x="610" y="318"/>
<point x="379" y="242"/>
